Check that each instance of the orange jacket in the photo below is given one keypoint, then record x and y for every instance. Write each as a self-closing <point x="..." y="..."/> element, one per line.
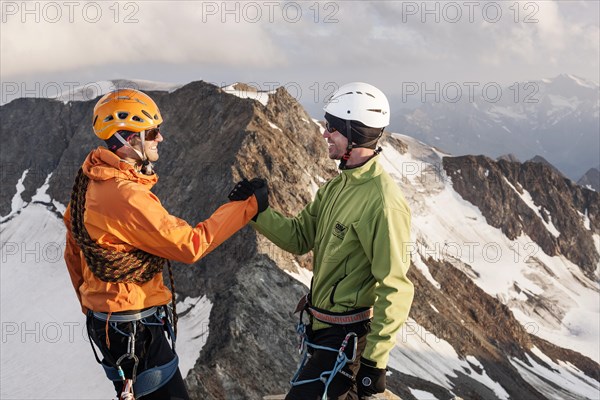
<point x="122" y="214"/>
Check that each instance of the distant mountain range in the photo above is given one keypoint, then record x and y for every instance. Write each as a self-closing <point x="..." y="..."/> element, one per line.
<point x="556" y="118"/>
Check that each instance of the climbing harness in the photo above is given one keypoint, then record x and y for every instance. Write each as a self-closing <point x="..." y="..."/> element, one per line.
<point x="331" y="318"/>
<point x="149" y="380"/>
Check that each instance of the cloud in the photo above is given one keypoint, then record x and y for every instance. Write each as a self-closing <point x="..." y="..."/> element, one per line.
<point x="173" y="32"/>
<point x="386" y="41"/>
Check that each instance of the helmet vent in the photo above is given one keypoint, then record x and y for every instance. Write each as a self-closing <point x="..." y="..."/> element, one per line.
<point x="147" y="114"/>
<point x="109" y="118"/>
<point x="136" y="119"/>
<point x="156" y="116"/>
<point x="369" y="94"/>
<point x="95" y="119"/>
<point x="122" y="115"/>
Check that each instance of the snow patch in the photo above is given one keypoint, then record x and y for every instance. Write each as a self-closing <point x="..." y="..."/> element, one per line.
<point x="41" y="196"/>
<point x="260" y="96"/>
<point x="526" y="197"/>
<point x="424" y="269"/>
<point x="303" y="275"/>
<point x="422" y="395"/>
<point x="192" y="330"/>
<point x="560" y="102"/>
<point x="17" y="202"/>
<point x="586" y="219"/>
<point x="496" y="111"/>
<point x="272" y="125"/>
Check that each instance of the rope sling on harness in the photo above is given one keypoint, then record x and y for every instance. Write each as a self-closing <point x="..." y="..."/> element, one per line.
<point x="137" y="267"/>
<point x="327" y="376"/>
<point x="342" y="359"/>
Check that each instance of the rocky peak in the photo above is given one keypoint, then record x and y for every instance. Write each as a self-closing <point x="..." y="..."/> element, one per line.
<point x="591" y="179"/>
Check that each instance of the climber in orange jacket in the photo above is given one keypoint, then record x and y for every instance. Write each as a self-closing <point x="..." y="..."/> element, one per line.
<point x="119" y="237"/>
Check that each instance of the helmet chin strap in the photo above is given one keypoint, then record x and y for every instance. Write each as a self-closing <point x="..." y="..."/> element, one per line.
<point x="346" y="155"/>
<point x="146" y="165"/>
<point x="350" y="146"/>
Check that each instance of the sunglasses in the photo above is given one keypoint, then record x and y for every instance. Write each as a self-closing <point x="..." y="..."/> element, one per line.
<point x="330" y="129"/>
<point x="152" y="134"/>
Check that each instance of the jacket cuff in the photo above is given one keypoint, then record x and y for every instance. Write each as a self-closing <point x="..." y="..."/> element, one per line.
<point x="368" y="362"/>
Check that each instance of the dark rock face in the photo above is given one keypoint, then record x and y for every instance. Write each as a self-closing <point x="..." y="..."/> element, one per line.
<point x="36" y="133"/>
<point x="495" y="187"/>
<point x="212" y="139"/>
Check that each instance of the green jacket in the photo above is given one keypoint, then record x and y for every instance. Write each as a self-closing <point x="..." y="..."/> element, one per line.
<point x="358" y="226"/>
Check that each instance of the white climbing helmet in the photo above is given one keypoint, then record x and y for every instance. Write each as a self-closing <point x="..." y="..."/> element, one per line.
<point x="358" y="101"/>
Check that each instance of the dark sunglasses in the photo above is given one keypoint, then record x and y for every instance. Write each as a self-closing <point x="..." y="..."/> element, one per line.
<point x="152" y="134"/>
<point x="330" y="129"/>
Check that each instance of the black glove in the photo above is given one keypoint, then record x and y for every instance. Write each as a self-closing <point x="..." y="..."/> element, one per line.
<point x="370" y="380"/>
<point x="242" y="190"/>
<point x="261" y="191"/>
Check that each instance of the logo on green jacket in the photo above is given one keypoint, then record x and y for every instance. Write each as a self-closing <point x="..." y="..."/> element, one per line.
<point x="339" y="230"/>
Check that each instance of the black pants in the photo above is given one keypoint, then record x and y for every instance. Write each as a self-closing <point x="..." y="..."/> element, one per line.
<point x="341" y="387"/>
<point x="151" y="347"/>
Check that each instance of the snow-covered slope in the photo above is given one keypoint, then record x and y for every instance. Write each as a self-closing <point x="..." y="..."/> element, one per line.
<point x="445" y="226"/>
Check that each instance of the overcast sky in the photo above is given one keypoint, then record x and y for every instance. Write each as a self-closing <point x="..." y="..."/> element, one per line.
<point x="304" y="45"/>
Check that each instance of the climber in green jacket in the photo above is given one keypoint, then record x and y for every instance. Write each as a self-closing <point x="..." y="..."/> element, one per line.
<point x="358" y="227"/>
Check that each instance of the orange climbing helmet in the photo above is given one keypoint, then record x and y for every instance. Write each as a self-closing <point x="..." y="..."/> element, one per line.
<point x="125" y="109"/>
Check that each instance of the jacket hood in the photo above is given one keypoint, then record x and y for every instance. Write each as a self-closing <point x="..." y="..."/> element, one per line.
<point x="102" y="164"/>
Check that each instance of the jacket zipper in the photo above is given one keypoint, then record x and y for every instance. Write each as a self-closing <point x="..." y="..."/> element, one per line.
<point x="332" y="205"/>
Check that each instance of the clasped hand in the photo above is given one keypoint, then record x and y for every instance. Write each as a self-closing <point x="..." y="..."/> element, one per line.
<point x="257" y="187"/>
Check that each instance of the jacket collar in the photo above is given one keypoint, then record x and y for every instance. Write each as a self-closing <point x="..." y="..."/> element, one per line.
<point x="102" y="164"/>
<point x="362" y="173"/>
